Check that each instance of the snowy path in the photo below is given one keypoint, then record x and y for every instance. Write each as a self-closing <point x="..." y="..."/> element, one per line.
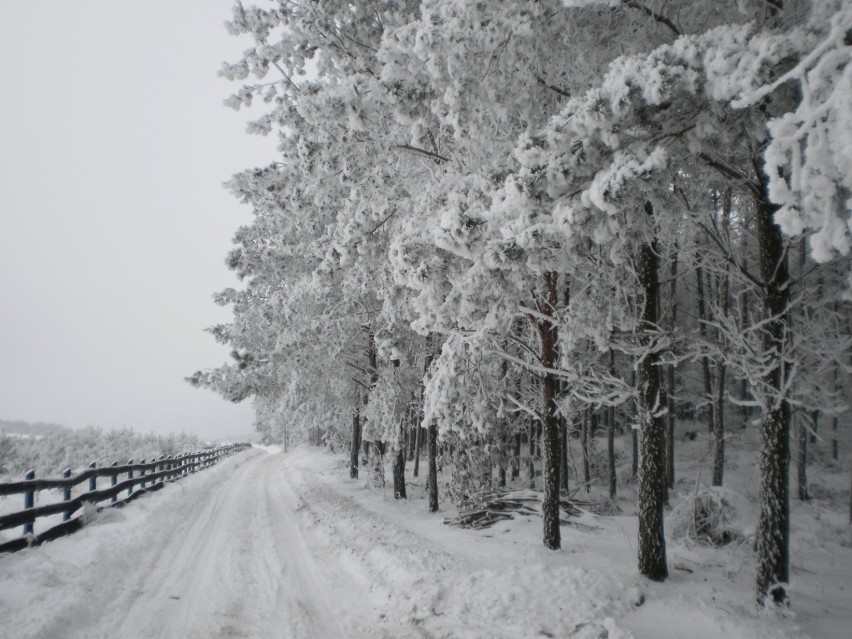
<point x="239" y="569"/>
<point x="225" y="559"/>
<point x="286" y="546"/>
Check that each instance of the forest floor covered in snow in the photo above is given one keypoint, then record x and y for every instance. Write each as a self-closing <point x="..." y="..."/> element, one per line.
<point x="269" y="544"/>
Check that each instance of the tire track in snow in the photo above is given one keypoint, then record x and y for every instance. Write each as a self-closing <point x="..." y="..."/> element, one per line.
<point x="239" y="568"/>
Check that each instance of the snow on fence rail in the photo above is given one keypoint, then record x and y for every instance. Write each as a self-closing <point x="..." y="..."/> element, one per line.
<point x="149" y="476"/>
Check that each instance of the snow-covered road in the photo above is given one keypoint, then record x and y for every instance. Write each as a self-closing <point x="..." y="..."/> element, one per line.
<point x="239" y="568"/>
<point x="220" y="554"/>
<point x="286" y="546"/>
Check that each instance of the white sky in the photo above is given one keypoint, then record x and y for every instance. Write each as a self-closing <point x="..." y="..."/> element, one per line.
<point x="113" y="222"/>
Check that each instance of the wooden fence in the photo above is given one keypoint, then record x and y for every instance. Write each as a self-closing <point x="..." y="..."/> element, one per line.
<point x="136" y="479"/>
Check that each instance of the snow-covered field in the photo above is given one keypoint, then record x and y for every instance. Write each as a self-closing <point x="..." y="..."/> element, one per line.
<point x="270" y="544"/>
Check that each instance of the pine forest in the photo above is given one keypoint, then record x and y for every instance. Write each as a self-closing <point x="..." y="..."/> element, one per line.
<point x="550" y="245"/>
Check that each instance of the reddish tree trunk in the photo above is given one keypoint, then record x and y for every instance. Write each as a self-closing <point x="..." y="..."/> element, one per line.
<point x="773" y="531"/>
<point x="549" y="422"/>
<point x="356" y="438"/>
<point x="652" y="472"/>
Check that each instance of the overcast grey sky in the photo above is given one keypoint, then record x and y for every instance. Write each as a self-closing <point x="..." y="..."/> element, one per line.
<point x="113" y="222"/>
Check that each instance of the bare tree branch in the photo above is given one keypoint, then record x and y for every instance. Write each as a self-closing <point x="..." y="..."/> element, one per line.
<point x="379" y="225"/>
<point x="552" y="87"/>
<point x="653" y="14"/>
<point x="286" y="77"/>
<point x="423" y="153"/>
<point x="729" y="171"/>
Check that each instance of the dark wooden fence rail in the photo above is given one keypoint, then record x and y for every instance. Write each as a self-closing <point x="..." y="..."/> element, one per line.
<point x="148" y="476"/>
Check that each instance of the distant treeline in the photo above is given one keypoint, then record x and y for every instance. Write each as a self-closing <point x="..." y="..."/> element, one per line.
<point x="21" y="427"/>
<point x="50" y="448"/>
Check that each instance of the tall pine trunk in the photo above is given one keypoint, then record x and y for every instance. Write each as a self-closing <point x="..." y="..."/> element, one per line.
<point x="563" y="418"/>
<point x="418" y="435"/>
<point x="610" y="436"/>
<point x="356" y="438"/>
<point x="431" y="448"/>
<point x="719" y="425"/>
<point x="835" y="451"/>
<point x="610" y="451"/>
<point x="719" y="390"/>
<point x="773" y="531"/>
<point x="634" y="437"/>
<point x="549" y="423"/>
<point x="745" y="395"/>
<point x="670" y="385"/>
<point x="702" y="329"/>
<point x="379" y="446"/>
<point x="411" y="436"/>
<point x="589" y="426"/>
<point x="563" y="453"/>
<point x="501" y="462"/>
<point x="516" y="456"/>
<point x="432" y="464"/>
<point x="802" y="459"/>
<point x="418" y="445"/>
<point x="634" y="445"/>
<point x="745" y="303"/>
<point x="399" y="466"/>
<point x="652" y="471"/>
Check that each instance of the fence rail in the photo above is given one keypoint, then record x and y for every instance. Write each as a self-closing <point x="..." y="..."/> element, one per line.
<point x="148" y="476"/>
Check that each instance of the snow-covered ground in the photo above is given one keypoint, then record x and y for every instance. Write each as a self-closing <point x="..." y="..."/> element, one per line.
<point x="270" y="544"/>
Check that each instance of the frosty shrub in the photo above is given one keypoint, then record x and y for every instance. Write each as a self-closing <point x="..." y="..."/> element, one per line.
<point x="606" y="507"/>
<point x="377" y="473"/>
<point x="598" y="462"/>
<point x="471" y="474"/>
<point x="704" y="516"/>
<point x="7" y="453"/>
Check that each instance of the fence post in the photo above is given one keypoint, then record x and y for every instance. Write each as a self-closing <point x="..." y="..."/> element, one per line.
<point x="130" y="476"/>
<point x="66" y="493"/>
<point x="162" y="468"/>
<point x="142" y="474"/>
<point x="93" y="480"/>
<point x="114" y="498"/>
<point x="29" y="501"/>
